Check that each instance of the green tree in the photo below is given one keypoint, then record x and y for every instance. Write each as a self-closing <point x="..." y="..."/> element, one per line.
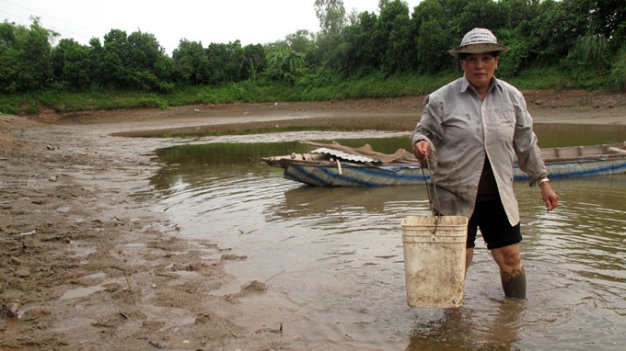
<point x="36" y="68"/>
<point x="255" y="60"/>
<point x="332" y="16"/>
<point x="301" y="41"/>
<point x="481" y="13"/>
<point x="284" y="64"/>
<point x="71" y="64"/>
<point x="190" y="63"/>
<point x="434" y="36"/>
<point x="25" y="53"/>
<point x="365" y="59"/>
<point x="9" y="56"/>
<point x="217" y="54"/>
<point x="116" y="58"/>
<point x="236" y="66"/>
<point x="144" y="54"/>
<point x="517" y="12"/>
<point x="389" y="11"/>
<point x="227" y="62"/>
<point x="163" y="68"/>
<point x="144" y="50"/>
<point x="585" y="38"/>
<point x="96" y="59"/>
<point x="401" y="52"/>
<point x="340" y="54"/>
<point x="608" y="19"/>
<point x="555" y="30"/>
<point x="510" y="63"/>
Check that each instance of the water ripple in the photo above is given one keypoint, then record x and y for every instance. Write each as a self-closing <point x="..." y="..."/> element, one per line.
<point x="336" y="253"/>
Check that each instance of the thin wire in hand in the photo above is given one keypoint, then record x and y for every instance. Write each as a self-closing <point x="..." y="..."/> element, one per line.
<point x="430" y="201"/>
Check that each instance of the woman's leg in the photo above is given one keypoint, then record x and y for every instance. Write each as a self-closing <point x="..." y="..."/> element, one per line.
<point x="512" y="272"/>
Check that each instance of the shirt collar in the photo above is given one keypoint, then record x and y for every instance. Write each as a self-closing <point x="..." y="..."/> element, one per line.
<point x="465" y="84"/>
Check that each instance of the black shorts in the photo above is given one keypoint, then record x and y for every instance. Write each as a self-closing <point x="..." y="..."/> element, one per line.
<point x="494" y="226"/>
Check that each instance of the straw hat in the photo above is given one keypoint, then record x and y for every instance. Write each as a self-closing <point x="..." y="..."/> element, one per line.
<point x="478" y="40"/>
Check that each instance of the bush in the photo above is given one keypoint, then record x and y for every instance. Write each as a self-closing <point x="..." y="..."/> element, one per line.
<point x="9" y="109"/>
<point x="587" y="62"/>
<point x="541" y="77"/>
<point x="617" y="77"/>
<point x="510" y="63"/>
<point x="32" y="108"/>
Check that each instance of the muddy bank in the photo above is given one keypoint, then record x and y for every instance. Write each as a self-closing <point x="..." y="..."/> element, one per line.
<point x="85" y="265"/>
<point x="547" y="106"/>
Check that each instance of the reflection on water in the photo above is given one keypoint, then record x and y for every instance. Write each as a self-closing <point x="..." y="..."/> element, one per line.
<point x="556" y="135"/>
<point x="332" y="257"/>
<point x="311" y="201"/>
<point x="471" y="329"/>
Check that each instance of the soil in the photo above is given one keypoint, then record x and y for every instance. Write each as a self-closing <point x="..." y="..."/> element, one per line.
<point x="85" y="266"/>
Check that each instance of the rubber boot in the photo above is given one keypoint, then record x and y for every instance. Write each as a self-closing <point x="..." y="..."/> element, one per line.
<point x="514" y="283"/>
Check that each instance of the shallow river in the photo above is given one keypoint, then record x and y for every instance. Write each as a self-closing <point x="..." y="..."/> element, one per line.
<point x="332" y="257"/>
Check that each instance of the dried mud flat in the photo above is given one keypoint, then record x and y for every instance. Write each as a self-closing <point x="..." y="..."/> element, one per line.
<point x="86" y="266"/>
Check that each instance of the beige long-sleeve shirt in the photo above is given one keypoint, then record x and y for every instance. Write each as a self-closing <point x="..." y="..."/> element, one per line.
<point x="462" y="128"/>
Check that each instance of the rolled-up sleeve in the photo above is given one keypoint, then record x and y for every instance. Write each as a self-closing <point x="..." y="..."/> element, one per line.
<point x="429" y="127"/>
<point x="525" y="141"/>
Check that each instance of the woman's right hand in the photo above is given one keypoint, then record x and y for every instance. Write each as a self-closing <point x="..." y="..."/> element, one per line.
<point x="421" y="149"/>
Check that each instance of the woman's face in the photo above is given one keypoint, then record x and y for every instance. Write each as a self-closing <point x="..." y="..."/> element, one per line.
<point x="479" y="69"/>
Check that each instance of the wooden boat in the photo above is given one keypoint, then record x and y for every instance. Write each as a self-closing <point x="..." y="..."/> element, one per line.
<point x="339" y="165"/>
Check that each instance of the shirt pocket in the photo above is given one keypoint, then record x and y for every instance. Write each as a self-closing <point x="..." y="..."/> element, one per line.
<point x="505" y="123"/>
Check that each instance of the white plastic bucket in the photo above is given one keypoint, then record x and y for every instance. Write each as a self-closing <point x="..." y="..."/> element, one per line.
<point x="434" y="260"/>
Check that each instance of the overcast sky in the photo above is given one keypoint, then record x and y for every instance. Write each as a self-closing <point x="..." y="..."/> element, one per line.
<point x="208" y="21"/>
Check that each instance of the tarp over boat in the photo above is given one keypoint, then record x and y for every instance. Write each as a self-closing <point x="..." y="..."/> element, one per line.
<point x="401" y="156"/>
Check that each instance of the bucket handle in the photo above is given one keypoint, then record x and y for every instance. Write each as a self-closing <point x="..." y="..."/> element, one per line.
<point x="430" y="201"/>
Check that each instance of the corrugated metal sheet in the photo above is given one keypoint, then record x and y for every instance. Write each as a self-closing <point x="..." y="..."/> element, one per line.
<point x="343" y="155"/>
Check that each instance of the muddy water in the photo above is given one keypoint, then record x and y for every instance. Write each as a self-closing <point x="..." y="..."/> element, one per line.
<point x="332" y="258"/>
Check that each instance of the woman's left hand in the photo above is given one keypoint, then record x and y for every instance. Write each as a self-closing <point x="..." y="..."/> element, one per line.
<point x="550" y="197"/>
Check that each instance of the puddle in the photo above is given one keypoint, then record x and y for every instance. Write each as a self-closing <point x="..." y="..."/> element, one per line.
<point x="99" y="275"/>
<point x="63" y="209"/>
<point x="81" y="292"/>
<point x="136" y="245"/>
<point x="81" y="251"/>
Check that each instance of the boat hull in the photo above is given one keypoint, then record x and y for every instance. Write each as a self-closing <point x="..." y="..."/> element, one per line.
<point x="354" y="176"/>
<point x="370" y="176"/>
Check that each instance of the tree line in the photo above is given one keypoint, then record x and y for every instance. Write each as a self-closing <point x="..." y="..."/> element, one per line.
<point x="585" y="38"/>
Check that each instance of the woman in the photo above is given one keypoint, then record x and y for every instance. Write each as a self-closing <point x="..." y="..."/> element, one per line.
<point x="471" y="130"/>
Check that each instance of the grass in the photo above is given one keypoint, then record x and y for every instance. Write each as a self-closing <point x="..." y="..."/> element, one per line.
<point x="544" y="78"/>
<point x="308" y="88"/>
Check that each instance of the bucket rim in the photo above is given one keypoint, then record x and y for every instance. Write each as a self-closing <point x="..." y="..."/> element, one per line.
<point x="459" y="220"/>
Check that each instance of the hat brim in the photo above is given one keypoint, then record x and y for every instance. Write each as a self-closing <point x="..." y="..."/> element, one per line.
<point x="478" y="49"/>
